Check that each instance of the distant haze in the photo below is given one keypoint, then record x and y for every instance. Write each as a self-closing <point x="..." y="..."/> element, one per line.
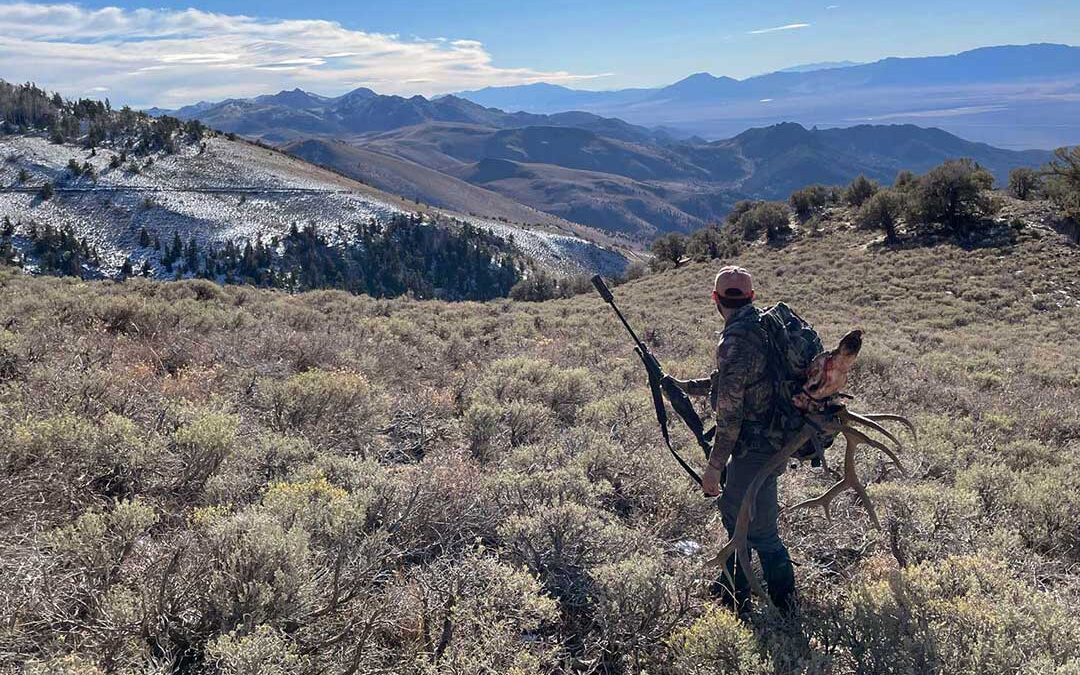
<point x="1010" y="96"/>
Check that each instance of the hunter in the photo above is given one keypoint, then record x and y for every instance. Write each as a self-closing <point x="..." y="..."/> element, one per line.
<point x="741" y="392"/>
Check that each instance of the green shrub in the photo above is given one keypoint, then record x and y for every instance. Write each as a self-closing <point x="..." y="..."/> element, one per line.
<point x="262" y="651"/>
<point x="711" y="243"/>
<point x="882" y="211"/>
<point x="859" y="190"/>
<point x="637" y="602"/>
<point x="481" y="615"/>
<point x="717" y="643"/>
<point x="964" y="615"/>
<point x="925" y="522"/>
<point x="254" y="569"/>
<point x="538" y="286"/>
<point x="905" y="180"/>
<point x="335" y="410"/>
<point x="739" y="208"/>
<point x="952" y="195"/>
<point x="770" y="218"/>
<point x="563" y="390"/>
<point x="203" y="441"/>
<point x="72" y="664"/>
<point x="1063" y="182"/>
<point x="97" y="544"/>
<point x="1024" y="183"/>
<point x="668" y="250"/>
<point x="809" y="200"/>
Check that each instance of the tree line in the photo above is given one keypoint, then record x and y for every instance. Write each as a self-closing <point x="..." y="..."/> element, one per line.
<point x="26" y="108"/>
<point x="952" y="199"/>
<point x="404" y="255"/>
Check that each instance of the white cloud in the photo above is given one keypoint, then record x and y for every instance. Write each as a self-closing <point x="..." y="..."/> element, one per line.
<point x="168" y="58"/>
<point x="790" y="26"/>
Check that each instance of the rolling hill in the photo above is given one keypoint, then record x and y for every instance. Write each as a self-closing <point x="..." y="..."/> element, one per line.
<point x="222" y="190"/>
<point x="601" y="172"/>
<point x="639" y="189"/>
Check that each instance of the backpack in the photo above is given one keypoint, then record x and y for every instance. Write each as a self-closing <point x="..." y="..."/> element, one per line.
<point x="790" y="344"/>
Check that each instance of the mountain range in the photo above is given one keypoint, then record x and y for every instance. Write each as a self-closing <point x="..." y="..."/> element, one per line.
<point x="289" y="115"/>
<point x="606" y="173"/>
<point x="1011" y="96"/>
<point x="638" y="189"/>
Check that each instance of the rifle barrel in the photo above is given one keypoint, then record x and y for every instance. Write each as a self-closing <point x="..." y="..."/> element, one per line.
<point x="605" y="293"/>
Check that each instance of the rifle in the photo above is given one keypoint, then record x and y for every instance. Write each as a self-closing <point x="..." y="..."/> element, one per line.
<point x="661" y="385"/>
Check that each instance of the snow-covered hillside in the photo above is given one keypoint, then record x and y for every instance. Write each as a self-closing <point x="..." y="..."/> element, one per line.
<point x="223" y="190"/>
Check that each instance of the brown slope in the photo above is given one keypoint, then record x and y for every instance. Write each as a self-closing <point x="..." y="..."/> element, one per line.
<point x="415" y="182"/>
<point x="638" y="209"/>
<point x="443" y="145"/>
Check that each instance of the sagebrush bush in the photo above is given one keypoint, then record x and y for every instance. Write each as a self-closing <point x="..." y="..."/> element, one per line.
<point x="945" y="616"/>
<point x="952" y="194"/>
<point x="717" y="643"/>
<point x="336" y="410"/>
<point x="202" y="479"/>
<point x="262" y="651"/>
<point x="860" y="190"/>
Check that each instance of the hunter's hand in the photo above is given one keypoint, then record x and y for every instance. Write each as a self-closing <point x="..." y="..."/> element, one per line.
<point x="680" y="384"/>
<point x="710" y="481"/>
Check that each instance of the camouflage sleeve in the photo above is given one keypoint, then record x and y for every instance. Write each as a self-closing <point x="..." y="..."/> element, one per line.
<point x="698" y="387"/>
<point x="734" y="363"/>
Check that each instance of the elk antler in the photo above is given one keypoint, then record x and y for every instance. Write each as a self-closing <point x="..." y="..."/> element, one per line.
<point x="837" y="419"/>
<point x="737" y="544"/>
<point x="826" y="376"/>
<point x="854" y="439"/>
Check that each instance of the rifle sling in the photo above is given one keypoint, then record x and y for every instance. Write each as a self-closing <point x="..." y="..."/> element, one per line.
<point x="661" y="418"/>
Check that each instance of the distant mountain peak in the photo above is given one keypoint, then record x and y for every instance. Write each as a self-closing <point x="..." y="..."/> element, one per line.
<point x="703" y="77"/>
<point x="291" y="98"/>
<point x="358" y="93"/>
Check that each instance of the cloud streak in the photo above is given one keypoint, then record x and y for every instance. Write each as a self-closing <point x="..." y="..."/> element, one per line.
<point x="790" y="26"/>
<point x="168" y="57"/>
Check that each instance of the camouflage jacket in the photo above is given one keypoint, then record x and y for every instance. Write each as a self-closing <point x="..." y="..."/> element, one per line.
<point x="739" y="389"/>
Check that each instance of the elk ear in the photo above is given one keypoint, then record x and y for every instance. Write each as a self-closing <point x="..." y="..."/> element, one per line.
<point x="851" y="343"/>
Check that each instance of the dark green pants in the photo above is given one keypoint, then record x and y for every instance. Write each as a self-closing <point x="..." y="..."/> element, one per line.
<point x="763" y="537"/>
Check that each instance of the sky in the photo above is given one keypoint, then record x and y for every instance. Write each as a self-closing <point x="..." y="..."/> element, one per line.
<point x="172" y="53"/>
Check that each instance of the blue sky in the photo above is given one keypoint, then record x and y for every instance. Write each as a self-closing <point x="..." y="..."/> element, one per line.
<point x="164" y="53"/>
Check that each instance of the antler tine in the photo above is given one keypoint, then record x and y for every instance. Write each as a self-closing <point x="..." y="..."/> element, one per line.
<point x="847" y="417"/>
<point x="867" y="422"/>
<point x="737" y="545"/>
<point x="850" y="480"/>
<point x="885" y="417"/>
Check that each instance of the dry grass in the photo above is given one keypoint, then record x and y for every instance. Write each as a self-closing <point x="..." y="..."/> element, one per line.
<point x="233" y="480"/>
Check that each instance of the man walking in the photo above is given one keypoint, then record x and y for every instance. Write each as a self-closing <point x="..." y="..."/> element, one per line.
<point x="742" y="393"/>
